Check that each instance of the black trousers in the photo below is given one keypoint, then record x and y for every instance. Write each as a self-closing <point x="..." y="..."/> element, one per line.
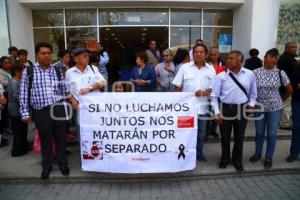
<point x="20" y="144"/>
<point x="233" y="117"/>
<point x="49" y="128"/>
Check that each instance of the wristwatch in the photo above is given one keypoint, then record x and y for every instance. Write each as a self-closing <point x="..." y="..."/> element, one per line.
<point x="90" y="88"/>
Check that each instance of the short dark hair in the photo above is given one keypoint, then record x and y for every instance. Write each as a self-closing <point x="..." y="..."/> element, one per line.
<point x="239" y="53"/>
<point x="272" y="52"/>
<point x="180" y="55"/>
<point x="17" y="67"/>
<point x="253" y="52"/>
<point x="200" y="45"/>
<point x="62" y="53"/>
<point x="40" y="45"/>
<point x="94" y="58"/>
<point x="142" y="55"/>
<point x="12" y="48"/>
<point x="22" y="52"/>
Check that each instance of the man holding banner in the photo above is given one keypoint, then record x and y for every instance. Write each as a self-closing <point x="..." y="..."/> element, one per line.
<point x="196" y="77"/>
<point x="82" y="79"/>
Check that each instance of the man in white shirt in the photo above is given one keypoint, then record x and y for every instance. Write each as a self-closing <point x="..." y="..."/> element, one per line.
<point x="82" y="79"/>
<point x="236" y="91"/>
<point x="197" y="77"/>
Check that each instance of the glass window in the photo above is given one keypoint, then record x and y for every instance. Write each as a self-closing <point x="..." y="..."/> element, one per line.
<point x="180" y="37"/>
<point x="54" y="36"/>
<point x="218" y="17"/>
<point x="81" y="17"/>
<point x="134" y="17"/>
<point x="186" y="17"/>
<point x="82" y="37"/>
<point x="4" y="37"/>
<point x="212" y="36"/>
<point x="47" y="18"/>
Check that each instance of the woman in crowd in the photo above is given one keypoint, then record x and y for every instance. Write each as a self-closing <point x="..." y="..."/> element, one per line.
<point x="5" y="76"/>
<point x="143" y="75"/>
<point x="165" y="72"/>
<point x="269" y="80"/>
<point x="20" y="144"/>
<point x="181" y="57"/>
<point x="3" y="100"/>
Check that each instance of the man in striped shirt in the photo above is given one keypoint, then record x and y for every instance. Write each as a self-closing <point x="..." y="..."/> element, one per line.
<point x="42" y="91"/>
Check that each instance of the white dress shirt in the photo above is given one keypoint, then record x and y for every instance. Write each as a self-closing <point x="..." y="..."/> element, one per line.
<point x="227" y="91"/>
<point x="77" y="80"/>
<point x="191" y="79"/>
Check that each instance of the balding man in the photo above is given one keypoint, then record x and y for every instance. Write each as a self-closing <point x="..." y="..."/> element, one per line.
<point x="288" y="64"/>
<point x="236" y="90"/>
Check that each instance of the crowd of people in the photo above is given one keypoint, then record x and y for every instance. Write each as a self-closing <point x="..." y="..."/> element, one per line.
<point x="228" y="93"/>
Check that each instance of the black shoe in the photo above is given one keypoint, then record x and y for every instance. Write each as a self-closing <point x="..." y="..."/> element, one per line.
<point x="13" y="154"/>
<point x="223" y="165"/>
<point x="238" y="166"/>
<point x="202" y="158"/>
<point x="255" y="158"/>
<point x="64" y="170"/>
<point x="45" y="174"/>
<point x="268" y="163"/>
<point x="291" y="158"/>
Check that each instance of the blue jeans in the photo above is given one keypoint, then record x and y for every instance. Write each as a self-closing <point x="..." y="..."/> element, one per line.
<point x="295" y="145"/>
<point x="201" y="135"/>
<point x="269" y="121"/>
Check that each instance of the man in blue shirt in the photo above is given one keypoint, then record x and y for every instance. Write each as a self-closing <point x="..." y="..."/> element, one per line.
<point x="236" y="90"/>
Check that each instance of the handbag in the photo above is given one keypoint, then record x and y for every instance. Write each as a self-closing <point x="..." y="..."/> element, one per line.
<point x="37" y="144"/>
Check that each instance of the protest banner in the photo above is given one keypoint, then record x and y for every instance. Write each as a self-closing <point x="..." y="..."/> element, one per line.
<point x="138" y="132"/>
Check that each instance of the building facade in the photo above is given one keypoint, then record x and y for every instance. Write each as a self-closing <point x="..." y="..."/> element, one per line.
<point x="226" y="24"/>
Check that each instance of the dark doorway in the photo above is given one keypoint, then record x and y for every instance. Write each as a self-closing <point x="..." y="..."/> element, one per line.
<point x="123" y="42"/>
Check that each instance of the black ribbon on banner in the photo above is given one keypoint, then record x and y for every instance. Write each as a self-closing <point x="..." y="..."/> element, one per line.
<point x="181" y="151"/>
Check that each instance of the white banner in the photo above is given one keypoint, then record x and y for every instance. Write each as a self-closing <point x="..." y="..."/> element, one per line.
<point x="138" y="132"/>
